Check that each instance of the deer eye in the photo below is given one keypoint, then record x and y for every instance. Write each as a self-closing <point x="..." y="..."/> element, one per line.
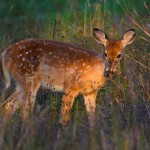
<point x="119" y="56"/>
<point x="105" y="54"/>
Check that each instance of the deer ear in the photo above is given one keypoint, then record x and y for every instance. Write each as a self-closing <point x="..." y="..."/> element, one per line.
<point x="128" y="37"/>
<point x="100" y="36"/>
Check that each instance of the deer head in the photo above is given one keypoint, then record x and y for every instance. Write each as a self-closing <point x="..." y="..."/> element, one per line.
<point x="113" y="48"/>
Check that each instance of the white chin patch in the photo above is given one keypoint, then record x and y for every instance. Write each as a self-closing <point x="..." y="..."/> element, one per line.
<point x="107" y="69"/>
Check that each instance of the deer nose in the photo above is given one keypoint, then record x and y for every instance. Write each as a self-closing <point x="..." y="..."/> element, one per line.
<point x="109" y="72"/>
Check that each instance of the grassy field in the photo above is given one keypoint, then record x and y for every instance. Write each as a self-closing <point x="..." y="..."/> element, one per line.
<point x="123" y="104"/>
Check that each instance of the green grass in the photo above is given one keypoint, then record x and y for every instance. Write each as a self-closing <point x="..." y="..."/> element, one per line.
<point x="123" y="104"/>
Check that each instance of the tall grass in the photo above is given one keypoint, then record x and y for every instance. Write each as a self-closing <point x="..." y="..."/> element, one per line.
<point x="123" y="104"/>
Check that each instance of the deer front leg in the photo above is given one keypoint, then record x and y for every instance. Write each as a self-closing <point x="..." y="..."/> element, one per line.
<point x="90" y="104"/>
<point x="67" y="102"/>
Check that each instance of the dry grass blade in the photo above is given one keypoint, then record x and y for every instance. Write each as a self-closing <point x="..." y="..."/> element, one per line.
<point x="144" y="39"/>
<point x="137" y="61"/>
<point x="134" y="21"/>
<point x="146" y="7"/>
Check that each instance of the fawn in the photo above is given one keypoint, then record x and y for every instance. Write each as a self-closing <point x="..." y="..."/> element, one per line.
<point x="60" y="67"/>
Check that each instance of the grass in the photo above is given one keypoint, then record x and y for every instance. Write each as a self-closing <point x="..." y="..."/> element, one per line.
<point x="123" y="104"/>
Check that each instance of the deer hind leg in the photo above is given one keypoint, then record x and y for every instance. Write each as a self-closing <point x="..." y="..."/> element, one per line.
<point x="67" y="102"/>
<point x="31" y="88"/>
<point x="13" y="102"/>
<point x="8" y="104"/>
<point x="90" y="104"/>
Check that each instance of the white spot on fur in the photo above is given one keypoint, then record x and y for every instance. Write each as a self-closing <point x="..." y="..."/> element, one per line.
<point x="23" y="59"/>
<point x="26" y="53"/>
<point x="20" y="47"/>
<point x="40" y="49"/>
<point x="23" y="47"/>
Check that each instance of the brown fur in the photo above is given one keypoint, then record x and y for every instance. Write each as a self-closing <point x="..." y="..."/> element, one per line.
<point x="35" y="63"/>
<point x="113" y="47"/>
